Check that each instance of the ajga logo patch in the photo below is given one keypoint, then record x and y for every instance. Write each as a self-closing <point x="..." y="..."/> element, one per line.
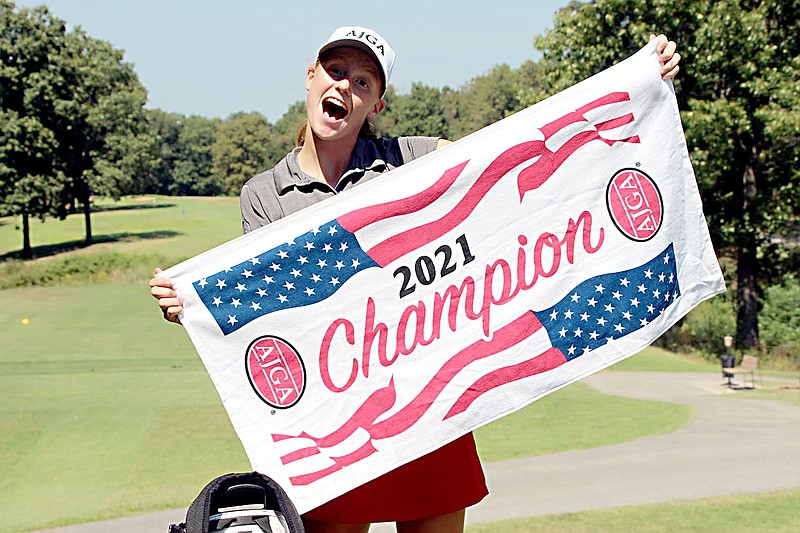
<point x="275" y="371"/>
<point x="634" y="203"/>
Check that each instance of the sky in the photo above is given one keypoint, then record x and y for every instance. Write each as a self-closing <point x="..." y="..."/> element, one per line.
<point x="215" y="58"/>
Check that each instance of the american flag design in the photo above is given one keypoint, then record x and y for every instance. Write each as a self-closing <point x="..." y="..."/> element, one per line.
<point x="576" y="238"/>
<point x="300" y="272"/>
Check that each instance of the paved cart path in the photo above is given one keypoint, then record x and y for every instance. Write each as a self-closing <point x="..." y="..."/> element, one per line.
<point x="730" y="446"/>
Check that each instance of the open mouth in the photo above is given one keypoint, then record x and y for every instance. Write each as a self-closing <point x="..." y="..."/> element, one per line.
<point x="334" y="108"/>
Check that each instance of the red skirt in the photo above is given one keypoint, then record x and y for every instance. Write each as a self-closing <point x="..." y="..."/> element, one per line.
<point x="444" y="481"/>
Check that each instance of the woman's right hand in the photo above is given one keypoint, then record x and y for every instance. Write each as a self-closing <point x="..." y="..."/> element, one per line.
<point x="162" y="290"/>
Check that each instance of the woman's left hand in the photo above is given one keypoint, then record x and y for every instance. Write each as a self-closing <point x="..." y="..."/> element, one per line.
<point x="667" y="56"/>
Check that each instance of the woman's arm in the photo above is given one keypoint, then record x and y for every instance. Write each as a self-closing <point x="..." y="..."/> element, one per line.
<point x="162" y="290"/>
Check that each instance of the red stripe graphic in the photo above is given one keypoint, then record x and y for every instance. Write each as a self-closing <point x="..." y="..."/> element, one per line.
<point x="382" y="400"/>
<point x="547" y="360"/>
<point x="530" y="178"/>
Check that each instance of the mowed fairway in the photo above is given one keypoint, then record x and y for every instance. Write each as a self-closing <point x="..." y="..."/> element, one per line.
<point x="107" y="410"/>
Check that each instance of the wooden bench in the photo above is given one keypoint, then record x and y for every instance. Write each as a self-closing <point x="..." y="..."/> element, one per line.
<point x="748" y="365"/>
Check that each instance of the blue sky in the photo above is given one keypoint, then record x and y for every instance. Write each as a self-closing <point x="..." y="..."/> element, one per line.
<point x="214" y="58"/>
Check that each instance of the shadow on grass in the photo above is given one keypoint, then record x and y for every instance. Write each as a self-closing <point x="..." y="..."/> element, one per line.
<point x="62" y="247"/>
<point x="127" y="207"/>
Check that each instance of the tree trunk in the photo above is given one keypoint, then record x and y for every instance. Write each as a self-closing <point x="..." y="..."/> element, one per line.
<point x="747" y="266"/>
<point x="27" y="251"/>
<point x="87" y="217"/>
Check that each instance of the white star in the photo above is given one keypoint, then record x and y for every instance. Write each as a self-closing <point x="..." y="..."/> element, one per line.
<point x="624" y="281"/>
<point x="601" y="321"/>
<point x="268" y="279"/>
<point x="221" y="283"/>
<point x="282" y="254"/>
<point x="302" y="260"/>
<point x="331" y="230"/>
<point x="641" y="288"/>
<point x="599" y="288"/>
<point x="254" y="260"/>
<point x="662" y="277"/>
<point x="575" y="297"/>
<point x="255" y="306"/>
<point x="334" y="281"/>
<point x="217" y="301"/>
<point x="327" y="247"/>
<point x="282" y="299"/>
<point x="247" y="273"/>
<point x="296" y="273"/>
<point x="626" y="315"/>
<point x="568" y="314"/>
<point x="315" y="231"/>
<point x="321" y="263"/>
<point x="339" y="265"/>
<point x="619" y="328"/>
<point x="609" y="308"/>
<point x="571" y="350"/>
<point x="309" y="246"/>
<point x="232" y="319"/>
<point x="593" y="335"/>
<point x="309" y="291"/>
<point x="666" y="259"/>
<point x="643" y="322"/>
<point x="275" y="267"/>
<point x="635" y="302"/>
<point x="562" y="333"/>
<point x="289" y="286"/>
<point x="586" y="349"/>
<point x="675" y="294"/>
<point x="355" y="263"/>
<point x="585" y="316"/>
<point x="578" y="332"/>
<point x="262" y="292"/>
<point x="240" y="287"/>
<point x="666" y="296"/>
<point x="202" y="283"/>
<point x="315" y="278"/>
<point x="235" y="302"/>
<point x="651" y="309"/>
<point x="671" y="277"/>
<point x="554" y="315"/>
<point x="648" y="274"/>
<point x="617" y="295"/>
<point x="592" y="302"/>
<point x="656" y="294"/>
<point x="343" y="247"/>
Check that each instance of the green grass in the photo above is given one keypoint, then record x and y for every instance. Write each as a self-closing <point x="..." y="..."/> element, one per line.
<point x="774" y="512"/>
<point x="573" y="418"/>
<point x="107" y="410"/>
<point x="131" y="237"/>
<point x="654" y="359"/>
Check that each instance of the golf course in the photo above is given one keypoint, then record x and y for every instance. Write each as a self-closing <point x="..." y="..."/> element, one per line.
<point x="107" y="410"/>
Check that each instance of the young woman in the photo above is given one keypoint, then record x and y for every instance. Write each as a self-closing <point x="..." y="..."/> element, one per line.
<point x="336" y="151"/>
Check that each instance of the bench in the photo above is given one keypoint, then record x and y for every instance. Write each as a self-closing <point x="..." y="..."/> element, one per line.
<point x="748" y="365"/>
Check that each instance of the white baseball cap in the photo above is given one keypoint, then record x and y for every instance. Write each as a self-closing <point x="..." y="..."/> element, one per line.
<point x="367" y="40"/>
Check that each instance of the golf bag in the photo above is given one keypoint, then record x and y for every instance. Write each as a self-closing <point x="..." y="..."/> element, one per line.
<point x="241" y="503"/>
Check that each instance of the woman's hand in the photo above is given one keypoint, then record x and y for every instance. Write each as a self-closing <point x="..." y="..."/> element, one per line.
<point x="667" y="57"/>
<point x="162" y="290"/>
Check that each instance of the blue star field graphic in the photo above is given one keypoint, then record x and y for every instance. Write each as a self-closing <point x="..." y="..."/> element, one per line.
<point x="301" y="272"/>
<point x="610" y="306"/>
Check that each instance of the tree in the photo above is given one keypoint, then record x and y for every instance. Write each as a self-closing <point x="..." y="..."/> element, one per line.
<point x="241" y="150"/>
<point x="739" y="103"/>
<point x="191" y="172"/>
<point x="31" y="90"/>
<point x="421" y="112"/>
<point x="104" y="145"/>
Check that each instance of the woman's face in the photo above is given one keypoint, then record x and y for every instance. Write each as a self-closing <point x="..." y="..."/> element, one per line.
<point x="344" y="90"/>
